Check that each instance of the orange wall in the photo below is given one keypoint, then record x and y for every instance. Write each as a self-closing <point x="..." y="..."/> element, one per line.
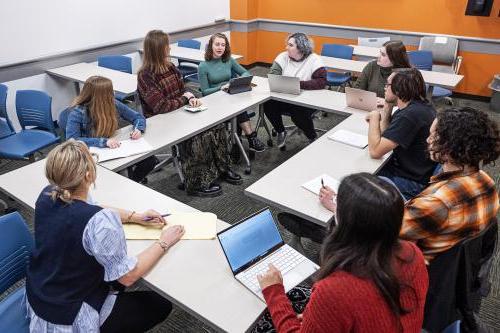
<point x="439" y="16"/>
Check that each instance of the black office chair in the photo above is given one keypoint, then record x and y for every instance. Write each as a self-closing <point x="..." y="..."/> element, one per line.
<point x="458" y="278"/>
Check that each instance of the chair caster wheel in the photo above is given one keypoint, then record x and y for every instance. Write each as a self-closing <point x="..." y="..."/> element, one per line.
<point x="181" y="187"/>
<point x="283" y="148"/>
<point x="251" y="155"/>
<point x="274" y="133"/>
<point x="248" y="170"/>
<point x="269" y="143"/>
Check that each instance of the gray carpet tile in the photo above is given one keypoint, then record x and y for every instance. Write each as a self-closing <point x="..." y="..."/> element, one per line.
<point x="233" y="206"/>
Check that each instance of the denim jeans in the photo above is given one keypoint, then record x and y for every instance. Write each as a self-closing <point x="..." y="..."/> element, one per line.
<point x="407" y="187"/>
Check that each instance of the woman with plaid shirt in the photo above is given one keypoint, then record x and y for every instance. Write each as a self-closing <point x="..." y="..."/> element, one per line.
<point x="205" y="157"/>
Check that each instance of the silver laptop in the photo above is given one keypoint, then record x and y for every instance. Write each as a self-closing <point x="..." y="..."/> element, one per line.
<point x="361" y="99"/>
<point x="284" y="84"/>
<point x="253" y="243"/>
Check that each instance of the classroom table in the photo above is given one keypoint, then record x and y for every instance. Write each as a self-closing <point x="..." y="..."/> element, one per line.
<point x="164" y="130"/>
<point x="78" y="73"/>
<point x="189" y="54"/>
<point x="193" y="274"/>
<point x="282" y="187"/>
<point x="432" y="79"/>
<point x="365" y="51"/>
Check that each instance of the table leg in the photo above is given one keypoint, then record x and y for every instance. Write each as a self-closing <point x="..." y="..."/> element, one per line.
<point x="77" y="87"/>
<point x="234" y="134"/>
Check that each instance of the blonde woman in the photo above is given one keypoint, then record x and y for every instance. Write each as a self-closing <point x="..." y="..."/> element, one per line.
<point x="80" y="248"/>
<point x="205" y="157"/>
<point x="94" y="120"/>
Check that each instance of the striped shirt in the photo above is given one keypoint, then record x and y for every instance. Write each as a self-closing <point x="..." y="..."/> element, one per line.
<point x="104" y="239"/>
<point x="455" y="206"/>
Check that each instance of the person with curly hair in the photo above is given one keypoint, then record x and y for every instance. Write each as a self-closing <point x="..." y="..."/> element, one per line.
<point x="461" y="201"/>
<point x="404" y="132"/>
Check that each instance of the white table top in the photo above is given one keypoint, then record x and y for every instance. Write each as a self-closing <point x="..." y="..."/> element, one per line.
<point x="189" y="54"/>
<point x="439" y="79"/>
<point x="122" y="82"/>
<point x="282" y="187"/>
<point x="365" y="51"/>
<point x="163" y="130"/>
<point x="193" y="274"/>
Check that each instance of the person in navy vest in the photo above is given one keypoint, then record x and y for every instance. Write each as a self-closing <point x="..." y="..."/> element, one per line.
<point x="80" y="250"/>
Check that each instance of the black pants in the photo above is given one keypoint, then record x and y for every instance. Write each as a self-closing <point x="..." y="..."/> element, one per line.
<point x="301" y="117"/>
<point x="136" y="311"/>
<point x="302" y="228"/>
<point x="143" y="168"/>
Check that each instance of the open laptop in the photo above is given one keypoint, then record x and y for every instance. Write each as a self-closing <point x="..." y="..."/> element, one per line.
<point x="361" y="99"/>
<point x="284" y="84"/>
<point x="251" y="244"/>
<point x="239" y="84"/>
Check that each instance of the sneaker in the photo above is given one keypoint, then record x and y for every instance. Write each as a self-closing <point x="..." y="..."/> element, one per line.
<point x="281" y="139"/>
<point x="255" y="144"/>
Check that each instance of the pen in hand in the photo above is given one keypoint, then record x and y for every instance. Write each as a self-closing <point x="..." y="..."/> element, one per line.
<point x="149" y="218"/>
<point x="322" y="183"/>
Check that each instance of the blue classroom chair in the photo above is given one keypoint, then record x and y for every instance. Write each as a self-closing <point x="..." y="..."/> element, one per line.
<point x="337" y="79"/>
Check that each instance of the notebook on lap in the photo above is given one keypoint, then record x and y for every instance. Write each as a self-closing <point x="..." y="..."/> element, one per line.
<point x="251" y="244"/>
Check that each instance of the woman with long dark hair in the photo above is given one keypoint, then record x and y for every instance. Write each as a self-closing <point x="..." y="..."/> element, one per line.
<point x="369" y="280"/>
<point x="374" y="76"/>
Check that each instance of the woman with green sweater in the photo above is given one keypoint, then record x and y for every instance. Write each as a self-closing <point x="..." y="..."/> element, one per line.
<point x="217" y="69"/>
<point x="374" y="76"/>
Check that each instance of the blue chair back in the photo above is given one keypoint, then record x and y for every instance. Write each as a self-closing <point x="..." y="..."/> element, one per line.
<point x="33" y="108"/>
<point x="116" y="62"/>
<point x="337" y="51"/>
<point x="189" y="43"/>
<point x="421" y="59"/>
<point x="6" y="127"/>
<point x="16" y="244"/>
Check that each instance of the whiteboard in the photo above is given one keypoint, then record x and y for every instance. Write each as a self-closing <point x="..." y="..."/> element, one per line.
<point x="32" y="29"/>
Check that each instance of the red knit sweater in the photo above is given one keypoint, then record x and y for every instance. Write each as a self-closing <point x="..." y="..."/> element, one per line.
<point x="344" y="303"/>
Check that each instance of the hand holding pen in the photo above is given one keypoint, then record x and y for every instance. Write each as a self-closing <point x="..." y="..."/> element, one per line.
<point x="135" y="134"/>
<point x="328" y="197"/>
<point x="151" y="218"/>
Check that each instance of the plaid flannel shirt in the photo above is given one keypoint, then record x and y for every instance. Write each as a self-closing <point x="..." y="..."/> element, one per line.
<point x="456" y="205"/>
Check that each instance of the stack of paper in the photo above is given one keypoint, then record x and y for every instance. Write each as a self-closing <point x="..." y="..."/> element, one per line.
<point x="350" y="138"/>
<point x="315" y="185"/>
<point x="127" y="148"/>
<point x="197" y="225"/>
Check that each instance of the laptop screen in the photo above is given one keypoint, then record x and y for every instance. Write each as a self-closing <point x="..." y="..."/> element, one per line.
<point x="250" y="240"/>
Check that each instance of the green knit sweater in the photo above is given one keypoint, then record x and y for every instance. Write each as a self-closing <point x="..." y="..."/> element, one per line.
<point x="373" y="78"/>
<point x="214" y="73"/>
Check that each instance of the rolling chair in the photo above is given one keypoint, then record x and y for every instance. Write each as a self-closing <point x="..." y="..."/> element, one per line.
<point x="445" y="59"/>
<point x="188" y="69"/>
<point x="118" y="63"/>
<point x="457" y="278"/>
<point x="337" y="79"/>
<point x="16" y="244"/>
<point x="23" y="145"/>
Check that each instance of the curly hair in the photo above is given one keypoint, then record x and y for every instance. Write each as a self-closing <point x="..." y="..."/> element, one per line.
<point x="209" y="51"/>
<point x="465" y="136"/>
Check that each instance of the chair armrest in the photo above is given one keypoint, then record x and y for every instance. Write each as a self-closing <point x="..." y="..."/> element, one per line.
<point x="457" y="63"/>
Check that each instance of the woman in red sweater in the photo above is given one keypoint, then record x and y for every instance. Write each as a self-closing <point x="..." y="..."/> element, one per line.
<point x="369" y="281"/>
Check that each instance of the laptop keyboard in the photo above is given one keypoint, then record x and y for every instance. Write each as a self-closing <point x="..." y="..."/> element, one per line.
<point x="283" y="259"/>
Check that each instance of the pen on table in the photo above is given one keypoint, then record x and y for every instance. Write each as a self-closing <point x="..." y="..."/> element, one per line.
<point x="149" y="218"/>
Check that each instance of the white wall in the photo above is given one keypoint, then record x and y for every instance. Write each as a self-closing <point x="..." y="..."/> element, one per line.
<point x="31" y="29"/>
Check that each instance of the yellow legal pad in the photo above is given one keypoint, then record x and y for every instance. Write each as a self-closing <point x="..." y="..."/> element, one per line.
<point x="197" y="226"/>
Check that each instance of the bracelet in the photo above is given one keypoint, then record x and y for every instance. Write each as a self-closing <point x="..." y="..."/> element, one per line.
<point x="163" y="245"/>
<point x="129" y="219"/>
